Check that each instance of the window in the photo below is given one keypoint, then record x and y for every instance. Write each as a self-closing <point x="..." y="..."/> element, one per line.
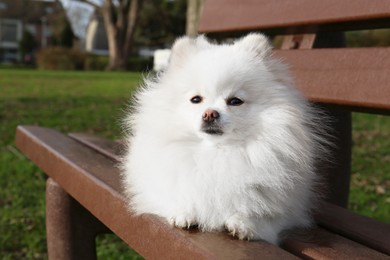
<point x="9" y="31"/>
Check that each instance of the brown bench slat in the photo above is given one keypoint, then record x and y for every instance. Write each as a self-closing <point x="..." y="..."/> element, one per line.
<point x="81" y="172"/>
<point x="364" y="230"/>
<point x="43" y="145"/>
<point x="322" y="244"/>
<point x="298" y="16"/>
<point x="357" y="79"/>
<point x="112" y="149"/>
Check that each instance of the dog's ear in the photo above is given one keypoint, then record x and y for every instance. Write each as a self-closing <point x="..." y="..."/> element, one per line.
<point x="185" y="46"/>
<point x="256" y="43"/>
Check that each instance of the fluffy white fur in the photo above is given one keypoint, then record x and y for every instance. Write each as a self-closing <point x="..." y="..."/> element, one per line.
<point x="256" y="178"/>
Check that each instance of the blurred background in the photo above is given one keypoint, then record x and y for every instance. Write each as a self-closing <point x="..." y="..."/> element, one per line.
<point x="73" y="65"/>
<point x="90" y="34"/>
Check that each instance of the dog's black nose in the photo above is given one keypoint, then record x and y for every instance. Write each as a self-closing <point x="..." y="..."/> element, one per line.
<point x="210" y="115"/>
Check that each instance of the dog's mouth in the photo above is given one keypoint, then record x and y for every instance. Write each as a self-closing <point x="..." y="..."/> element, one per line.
<point x="212" y="129"/>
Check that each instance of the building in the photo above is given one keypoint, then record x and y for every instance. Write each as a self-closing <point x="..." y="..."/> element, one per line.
<point x="96" y="38"/>
<point x="17" y="16"/>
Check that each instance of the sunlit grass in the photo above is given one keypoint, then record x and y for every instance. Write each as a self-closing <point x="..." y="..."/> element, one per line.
<point x="91" y="102"/>
<point x="370" y="179"/>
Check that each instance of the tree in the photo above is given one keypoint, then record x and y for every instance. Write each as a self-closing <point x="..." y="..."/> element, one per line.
<point x="27" y="45"/>
<point x="161" y="22"/>
<point x="62" y="34"/>
<point x="194" y="10"/>
<point x="120" y="20"/>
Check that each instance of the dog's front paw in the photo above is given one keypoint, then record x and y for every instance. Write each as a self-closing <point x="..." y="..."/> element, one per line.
<point x="182" y="221"/>
<point x="239" y="228"/>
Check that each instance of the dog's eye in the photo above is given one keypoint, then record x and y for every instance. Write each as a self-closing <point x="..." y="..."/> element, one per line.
<point x="234" y="101"/>
<point x="196" y="99"/>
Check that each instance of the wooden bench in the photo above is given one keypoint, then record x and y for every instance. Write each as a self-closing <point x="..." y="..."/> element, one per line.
<point x="84" y="195"/>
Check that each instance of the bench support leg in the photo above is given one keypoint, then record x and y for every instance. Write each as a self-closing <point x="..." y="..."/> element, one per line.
<point x="70" y="228"/>
<point x="337" y="174"/>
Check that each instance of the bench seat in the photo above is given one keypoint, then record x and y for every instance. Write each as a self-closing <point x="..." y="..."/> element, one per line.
<point x="83" y="168"/>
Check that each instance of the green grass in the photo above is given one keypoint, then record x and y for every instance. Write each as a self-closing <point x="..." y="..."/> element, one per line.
<point x="93" y="102"/>
<point x="370" y="179"/>
<point x="90" y="102"/>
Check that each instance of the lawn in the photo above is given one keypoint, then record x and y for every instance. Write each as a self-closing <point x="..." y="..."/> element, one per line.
<point x="93" y="102"/>
<point x="68" y="101"/>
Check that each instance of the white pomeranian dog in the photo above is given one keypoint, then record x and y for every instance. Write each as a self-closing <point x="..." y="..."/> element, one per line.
<point x="222" y="140"/>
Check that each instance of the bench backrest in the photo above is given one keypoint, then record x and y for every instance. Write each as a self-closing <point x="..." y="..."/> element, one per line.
<point x="291" y="17"/>
<point x="356" y="79"/>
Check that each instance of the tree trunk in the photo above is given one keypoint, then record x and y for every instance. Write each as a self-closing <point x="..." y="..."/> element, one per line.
<point x="107" y="12"/>
<point x="194" y="10"/>
<point x="132" y="21"/>
<point x="120" y="23"/>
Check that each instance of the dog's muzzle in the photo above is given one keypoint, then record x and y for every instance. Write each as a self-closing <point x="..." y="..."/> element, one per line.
<point x="210" y="122"/>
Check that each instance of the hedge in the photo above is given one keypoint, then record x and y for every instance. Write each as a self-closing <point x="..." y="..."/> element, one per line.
<point x="59" y="58"/>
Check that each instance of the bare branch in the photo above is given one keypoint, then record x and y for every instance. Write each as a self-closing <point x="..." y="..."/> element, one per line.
<point x="121" y="16"/>
<point x="133" y="15"/>
<point x="109" y="11"/>
<point x="90" y="3"/>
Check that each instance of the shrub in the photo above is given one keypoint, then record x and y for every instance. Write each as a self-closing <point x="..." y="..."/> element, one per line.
<point x="27" y="44"/>
<point x="139" y="64"/>
<point x="59" y="58"/>
<point x="95" y="62"/>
